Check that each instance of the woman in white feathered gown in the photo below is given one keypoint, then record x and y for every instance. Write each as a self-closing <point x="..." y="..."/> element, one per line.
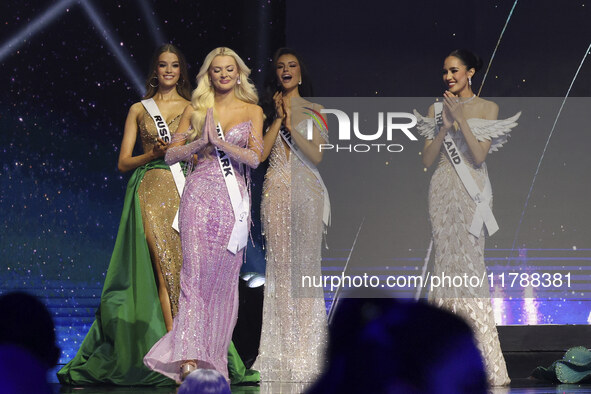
<point x="471" y="122"/>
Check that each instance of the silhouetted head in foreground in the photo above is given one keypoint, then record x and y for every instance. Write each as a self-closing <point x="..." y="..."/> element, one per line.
<point x="27" y="344"/>
<point x="384" y="345"/>
<point x="204" y="381"/>
<point x="26" y="322"/>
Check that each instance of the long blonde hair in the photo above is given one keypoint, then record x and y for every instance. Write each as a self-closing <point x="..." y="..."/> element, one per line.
<point x="202" y="97"/>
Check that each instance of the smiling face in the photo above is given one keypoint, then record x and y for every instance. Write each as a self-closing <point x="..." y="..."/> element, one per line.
<point x="455" y="76"/>
<point x="168" y="69"/>
<point x="288" y="71"/>
<point x="223" y="73"/>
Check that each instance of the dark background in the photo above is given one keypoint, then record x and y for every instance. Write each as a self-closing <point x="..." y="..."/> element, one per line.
<point x="71" y="70"/>
<point x="397" y="48"/>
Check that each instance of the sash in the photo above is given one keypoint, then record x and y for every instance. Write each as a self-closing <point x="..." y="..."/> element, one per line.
<point x="240" y="205"/>
<point x="483" y="214"/>
<point x="286" y="135"/>
<point x="164" y="134"/>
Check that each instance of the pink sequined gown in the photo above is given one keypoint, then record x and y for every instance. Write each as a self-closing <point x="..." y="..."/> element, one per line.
<point x="208" y="304"/>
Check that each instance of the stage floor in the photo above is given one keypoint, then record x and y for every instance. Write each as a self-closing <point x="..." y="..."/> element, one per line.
<point x="518" y="386"/>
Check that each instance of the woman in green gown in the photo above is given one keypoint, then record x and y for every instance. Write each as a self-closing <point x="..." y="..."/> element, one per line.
<point x="141" y="290"/>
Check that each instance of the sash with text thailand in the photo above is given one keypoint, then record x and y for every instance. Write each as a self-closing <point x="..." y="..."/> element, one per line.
<point x="483" y="214"/>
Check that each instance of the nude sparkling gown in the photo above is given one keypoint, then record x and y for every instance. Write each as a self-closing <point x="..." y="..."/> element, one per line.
<point x="159" y="201"/>
<point x="293" y="338"/>
<point x="208" y="304"/>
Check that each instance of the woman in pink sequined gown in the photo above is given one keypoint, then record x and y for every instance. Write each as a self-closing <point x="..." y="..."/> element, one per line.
<point x="293" y="337"/>
<point x="208" y="305"/>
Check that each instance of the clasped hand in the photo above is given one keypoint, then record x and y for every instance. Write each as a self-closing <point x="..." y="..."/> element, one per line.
<point x="159" y="149"/>
<point x="452" y="109"/>
<point x="209" y="133"/>
<point x="279" y="109"/>
<point x="282" y="107"/>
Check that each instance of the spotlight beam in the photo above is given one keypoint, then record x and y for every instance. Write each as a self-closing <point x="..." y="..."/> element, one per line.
<point x="533" y="181"/>
<point x="335" y="299"/>
<point x="109" y="38"/>
<point x="154" y="26"/>
<point x="497" y="46"/>
<point x="33" y="27"/>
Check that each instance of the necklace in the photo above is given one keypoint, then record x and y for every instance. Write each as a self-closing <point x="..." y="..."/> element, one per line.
<point x="468" y="100"/>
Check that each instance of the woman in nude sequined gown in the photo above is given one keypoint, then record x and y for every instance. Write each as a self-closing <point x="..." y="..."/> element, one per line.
<point x="293" y="337"/>
<point x="141" y="288"/>
<point x="471" y="123"/>
<point x="158" y="195"/>
<point x="208" y="306"/>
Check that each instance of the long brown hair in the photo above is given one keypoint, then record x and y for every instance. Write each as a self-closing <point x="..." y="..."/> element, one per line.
<point x="183" y="86"/>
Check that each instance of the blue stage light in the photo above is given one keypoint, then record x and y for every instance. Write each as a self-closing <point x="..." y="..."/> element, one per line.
<point x="33" y="27"/>
<point x="152" y="22"/>
<point x="106" y="33"/>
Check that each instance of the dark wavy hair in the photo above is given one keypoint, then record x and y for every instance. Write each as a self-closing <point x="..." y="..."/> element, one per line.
<point x="273" y="85"/>
<point x="468" y="58"/>
<point x="183" y="86"/>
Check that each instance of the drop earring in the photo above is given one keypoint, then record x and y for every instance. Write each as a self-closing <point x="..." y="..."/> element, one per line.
<point x="238" y="81"/>
<point x="470" y="81"/>
<point x="299" y="83"/>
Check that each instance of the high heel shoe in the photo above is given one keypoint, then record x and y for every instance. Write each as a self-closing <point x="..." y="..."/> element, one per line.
<point x="187" y="368"/>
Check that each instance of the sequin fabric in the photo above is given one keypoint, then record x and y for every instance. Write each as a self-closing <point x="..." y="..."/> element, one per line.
<point x="208" y="304"/>
<point x="293" y="338"/>
<point x="457" y="252"/>
<point x="159" y="202"/>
